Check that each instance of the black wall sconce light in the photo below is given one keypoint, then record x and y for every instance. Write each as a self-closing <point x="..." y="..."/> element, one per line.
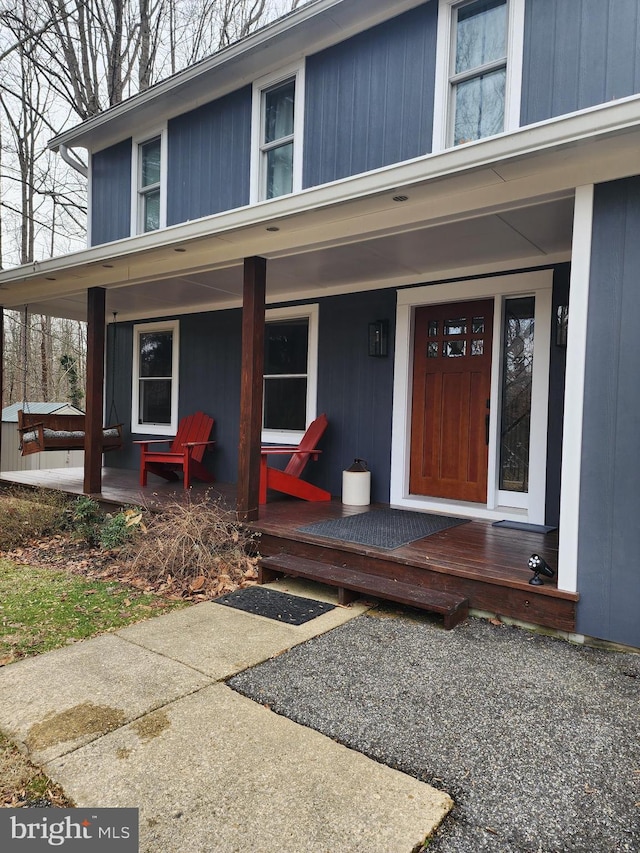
<point x="379" y="338"/>
<point x="562" y="324"/>
<point x="539" y="567"/>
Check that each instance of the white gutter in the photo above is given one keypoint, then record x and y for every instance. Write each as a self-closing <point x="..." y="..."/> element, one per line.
<point x="72" y="159"/>
<point x="608" y="120"/>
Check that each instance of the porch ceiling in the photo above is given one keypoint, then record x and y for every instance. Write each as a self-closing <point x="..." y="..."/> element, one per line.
<point x="537" y="234"/>
<point x="497" y="204"/>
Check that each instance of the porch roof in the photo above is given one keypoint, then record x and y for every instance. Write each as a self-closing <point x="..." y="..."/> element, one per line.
<point x="491" y="205"/>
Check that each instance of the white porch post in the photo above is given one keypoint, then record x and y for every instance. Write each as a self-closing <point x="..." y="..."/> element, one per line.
<point x="574" y="389"/>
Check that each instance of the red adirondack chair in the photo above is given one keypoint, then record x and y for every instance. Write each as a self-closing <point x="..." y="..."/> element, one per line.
<point x="288" y="481"/>
<point x="186" y="452"/>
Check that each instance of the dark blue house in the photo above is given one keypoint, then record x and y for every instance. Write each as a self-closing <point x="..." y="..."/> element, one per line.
<point x="446" y="196"/>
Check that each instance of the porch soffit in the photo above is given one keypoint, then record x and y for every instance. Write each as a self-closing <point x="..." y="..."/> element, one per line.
<point x="487" y="206"/>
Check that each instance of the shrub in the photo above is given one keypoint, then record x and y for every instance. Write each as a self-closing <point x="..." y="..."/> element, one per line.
<point x="194" y="546"/>
<point x="27" y="515"/>
<point x="118" y="529"/>
<point x="86" y="519"/>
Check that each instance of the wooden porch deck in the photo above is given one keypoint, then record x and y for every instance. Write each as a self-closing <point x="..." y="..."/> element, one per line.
<point x="486" y="564"/>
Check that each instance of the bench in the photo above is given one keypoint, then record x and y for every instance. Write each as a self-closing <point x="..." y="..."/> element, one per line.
<point x="40" y="432"/>
<point x="351" y="583"/>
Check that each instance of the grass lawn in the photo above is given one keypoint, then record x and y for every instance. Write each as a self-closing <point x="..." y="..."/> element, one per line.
<point x="42" y="609"/>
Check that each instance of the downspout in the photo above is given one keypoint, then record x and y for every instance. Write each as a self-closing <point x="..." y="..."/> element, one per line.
<point x="72" y="160"/>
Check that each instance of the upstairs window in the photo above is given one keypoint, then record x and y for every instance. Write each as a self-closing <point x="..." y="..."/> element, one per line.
<point x="148" y="209"/>
<point x="277" y="139"/>
<point x="277" y="136"/>
<point x="478" y="70"/>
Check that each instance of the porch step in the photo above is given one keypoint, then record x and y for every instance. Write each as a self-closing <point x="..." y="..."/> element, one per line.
<point x="351" y="583"/>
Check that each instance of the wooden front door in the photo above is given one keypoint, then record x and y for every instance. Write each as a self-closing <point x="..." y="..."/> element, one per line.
<point x="451" y="395"/>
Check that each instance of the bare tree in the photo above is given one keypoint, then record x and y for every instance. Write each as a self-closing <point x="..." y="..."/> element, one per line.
<point x="60" y="61"/>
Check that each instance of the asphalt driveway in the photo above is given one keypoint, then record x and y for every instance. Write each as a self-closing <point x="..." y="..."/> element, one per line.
<point x="535" y="739"/>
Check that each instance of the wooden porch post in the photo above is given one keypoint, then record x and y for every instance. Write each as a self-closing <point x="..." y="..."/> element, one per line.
<point x="253" y="305"/>
<point x="94" y="390"/>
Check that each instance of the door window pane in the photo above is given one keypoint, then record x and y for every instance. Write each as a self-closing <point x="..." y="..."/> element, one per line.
<point x="454" y="349"/>
<point x="455" y="327"/>
<point x="517" y="376"/>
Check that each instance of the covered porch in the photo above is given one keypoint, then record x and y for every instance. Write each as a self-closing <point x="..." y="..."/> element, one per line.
<point x="486" y="564"/>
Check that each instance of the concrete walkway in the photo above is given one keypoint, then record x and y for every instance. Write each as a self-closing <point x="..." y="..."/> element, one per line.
<point x="142" y="717"/>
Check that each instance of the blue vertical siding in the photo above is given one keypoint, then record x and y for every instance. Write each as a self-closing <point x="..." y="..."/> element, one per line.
<point x="369" y="100"/>
<point x="209" y="152"/>
<point x="609" y="530"/>
<point x="578" y="53"/>
<point x="111" y="193"/>
<point x="356" y="390"/>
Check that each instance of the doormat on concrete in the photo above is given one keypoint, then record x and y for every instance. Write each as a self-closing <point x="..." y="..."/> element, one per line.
<point x="524" y="525"/>
<point x="383" y="528"/>
<point x="292" y="609"/>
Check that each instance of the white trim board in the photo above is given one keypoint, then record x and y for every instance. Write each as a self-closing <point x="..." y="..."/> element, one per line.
<point x="538" y="283"/>
<point x="574" y="390"/>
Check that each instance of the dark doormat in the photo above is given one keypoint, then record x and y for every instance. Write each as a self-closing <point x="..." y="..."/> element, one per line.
<point x="524" y="525"/>
<point x="383" y="528"/>
<point x="292" y="609"/>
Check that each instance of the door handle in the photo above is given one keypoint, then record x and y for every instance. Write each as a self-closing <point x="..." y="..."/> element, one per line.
<point x="486" y="429"/>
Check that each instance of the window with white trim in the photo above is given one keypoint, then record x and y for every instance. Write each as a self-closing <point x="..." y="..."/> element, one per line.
<point x="290" y="373"/>
<point x="277" y="135"/>
<point x="148" y="211"/>
<point x="155" y="378"/>
<point x="479" y="69"/>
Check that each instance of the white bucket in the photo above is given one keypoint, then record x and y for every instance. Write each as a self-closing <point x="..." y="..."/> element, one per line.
<point x="356" y="488"/>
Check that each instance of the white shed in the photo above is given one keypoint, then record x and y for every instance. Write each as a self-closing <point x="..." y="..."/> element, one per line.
<point x="11" y="458"/>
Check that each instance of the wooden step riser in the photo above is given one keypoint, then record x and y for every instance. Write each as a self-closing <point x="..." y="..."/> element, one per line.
<point x="526" y="605"/>
<point x="453" y="608"/>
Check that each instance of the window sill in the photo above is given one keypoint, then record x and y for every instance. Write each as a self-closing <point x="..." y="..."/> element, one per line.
<point x="285" y="437"/>
<point x="153" y="429"/>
